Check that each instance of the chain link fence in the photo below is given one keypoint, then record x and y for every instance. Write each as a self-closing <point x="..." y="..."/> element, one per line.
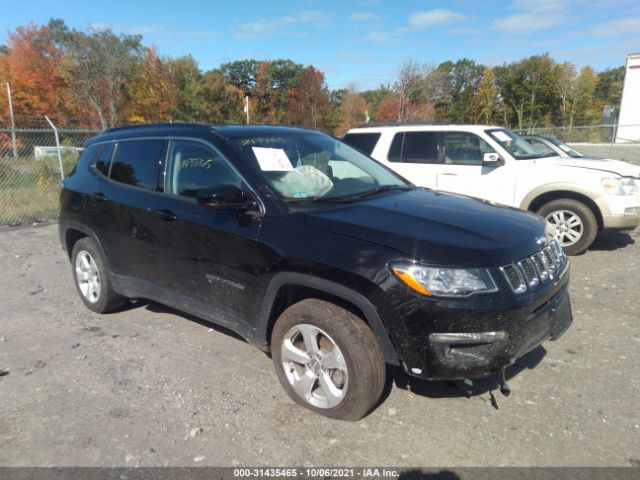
<point x="31" y="167"/>
<point x="583" y="134"/>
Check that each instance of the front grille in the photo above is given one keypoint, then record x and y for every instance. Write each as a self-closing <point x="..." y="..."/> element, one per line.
<point x="537" y="270"/>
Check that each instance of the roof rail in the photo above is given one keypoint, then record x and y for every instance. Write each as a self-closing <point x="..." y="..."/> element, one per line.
<point x="160" y="124"/>
<point x="402" y="124"/>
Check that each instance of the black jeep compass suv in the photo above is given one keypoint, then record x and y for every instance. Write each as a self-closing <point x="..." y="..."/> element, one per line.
<point x="314" y="251"/>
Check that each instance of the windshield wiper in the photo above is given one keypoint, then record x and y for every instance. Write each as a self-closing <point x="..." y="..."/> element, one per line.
<point x="367" y="193"/>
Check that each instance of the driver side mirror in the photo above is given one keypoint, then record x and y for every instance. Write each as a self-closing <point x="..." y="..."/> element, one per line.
<point x="226" y="197"/>
<point x="492" y="160"/>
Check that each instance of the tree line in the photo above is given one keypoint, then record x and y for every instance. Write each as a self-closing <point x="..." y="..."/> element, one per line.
<point x="100" y="79"/>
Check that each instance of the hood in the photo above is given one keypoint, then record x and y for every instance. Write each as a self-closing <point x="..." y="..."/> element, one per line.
<point x="437" y="228"/>
<point x="616" y="167"/>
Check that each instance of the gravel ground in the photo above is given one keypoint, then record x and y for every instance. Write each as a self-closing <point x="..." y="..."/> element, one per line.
<point x="151" y="386"/>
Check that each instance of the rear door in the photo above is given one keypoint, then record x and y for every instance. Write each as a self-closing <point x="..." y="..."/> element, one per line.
<point x="416" y="156"/>
<point x="125" y="197"/>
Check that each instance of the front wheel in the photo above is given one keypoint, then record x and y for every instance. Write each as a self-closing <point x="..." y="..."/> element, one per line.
<point x="575" y="224"/>
<point x="328" y="360"/>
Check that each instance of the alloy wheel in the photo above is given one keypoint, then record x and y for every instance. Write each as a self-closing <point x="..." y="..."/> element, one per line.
<point x="568" y="225"/>
<point x="314" y="366"/>
<point x="87" y="276"/>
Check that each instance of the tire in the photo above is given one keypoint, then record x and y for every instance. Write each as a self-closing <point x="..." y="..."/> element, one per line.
<point x="91" y="278"/>
<point x="356" y="371"/>
<point x="575" y="223"/>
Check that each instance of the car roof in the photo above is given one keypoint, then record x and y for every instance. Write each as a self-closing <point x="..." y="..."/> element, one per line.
<point x="224" y="130"/>
<point x="421" y="127"/>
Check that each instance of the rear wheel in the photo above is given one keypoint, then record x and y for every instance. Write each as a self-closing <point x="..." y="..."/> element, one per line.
<point x="92" y="279"/>
<point x="576" y="225"/>
<point x="328" y="360"/>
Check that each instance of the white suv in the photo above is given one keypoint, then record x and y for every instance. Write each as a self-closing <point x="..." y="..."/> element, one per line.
<point x="578" y="196"/>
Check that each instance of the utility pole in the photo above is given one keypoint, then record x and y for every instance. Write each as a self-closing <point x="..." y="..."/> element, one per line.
<point x="13" y="124"/>
<point x="246" y="107"/>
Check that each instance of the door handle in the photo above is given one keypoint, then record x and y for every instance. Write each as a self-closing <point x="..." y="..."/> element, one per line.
<point x="100" y="197"/>
<point x="164" y="214"/>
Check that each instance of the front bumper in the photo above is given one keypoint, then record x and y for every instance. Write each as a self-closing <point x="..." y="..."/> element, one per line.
<point x="629" y="220"/>
<point x="474" y="356"/>
<point x="440" y="339"/>
<point x="619" y="212"/>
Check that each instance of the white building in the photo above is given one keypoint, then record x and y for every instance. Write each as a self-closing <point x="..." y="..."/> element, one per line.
<point x="629" y="119"/>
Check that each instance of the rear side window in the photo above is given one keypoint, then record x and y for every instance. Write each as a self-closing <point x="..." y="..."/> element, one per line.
<point x="365" y="142"/>
<point x="136" y="163"/>
<point x="103" y="158"/>
<point x="415" y="147"/>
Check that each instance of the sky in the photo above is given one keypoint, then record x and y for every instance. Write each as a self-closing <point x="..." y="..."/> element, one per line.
<point x="361" y="41"/>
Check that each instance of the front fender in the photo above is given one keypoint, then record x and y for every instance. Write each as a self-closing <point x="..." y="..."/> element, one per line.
<point x="335" y="289"/>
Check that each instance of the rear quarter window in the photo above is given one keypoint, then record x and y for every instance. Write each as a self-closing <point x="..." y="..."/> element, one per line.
<point x="86" y="158"/>
<point x="103" y="158"/>
<point x="365" y="142"/>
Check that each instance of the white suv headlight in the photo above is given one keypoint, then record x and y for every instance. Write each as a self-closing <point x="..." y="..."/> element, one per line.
<point x="444" y="281"/>
<point x="619" y="186"/>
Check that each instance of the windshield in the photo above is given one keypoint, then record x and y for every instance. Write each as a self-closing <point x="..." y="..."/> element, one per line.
<point x="565" y="148"/>
<point x="517" y="146"/>
<point x="313" y="166"/>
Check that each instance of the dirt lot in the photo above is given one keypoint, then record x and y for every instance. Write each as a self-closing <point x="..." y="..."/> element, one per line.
<point x="150" y="386"/>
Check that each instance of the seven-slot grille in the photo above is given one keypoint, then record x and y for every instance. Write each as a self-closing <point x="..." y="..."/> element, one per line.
<point x="538" y="269"/>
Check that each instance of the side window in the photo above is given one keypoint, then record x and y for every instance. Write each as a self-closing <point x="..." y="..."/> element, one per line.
<point x="415" y="147"/>
<point x="193" y="166"/>
<point x="103" y="158"/>
<point x="463" y="148"/>
<point x="395" y="151"/>
<point x="136" y="163"/>
<point x="541" y="146"/>
<point x="365" y="142"/>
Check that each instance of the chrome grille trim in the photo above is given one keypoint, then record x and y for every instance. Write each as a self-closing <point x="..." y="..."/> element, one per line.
<point x="537" y="270"/>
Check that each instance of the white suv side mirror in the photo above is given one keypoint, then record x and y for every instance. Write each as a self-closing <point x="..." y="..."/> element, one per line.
<point x="491" y="159"/>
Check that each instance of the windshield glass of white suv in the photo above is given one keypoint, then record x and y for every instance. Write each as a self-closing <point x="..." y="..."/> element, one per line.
<point x="517" y="146"/>
<point x="565" y="148"/>
<point x="311" y="166"/>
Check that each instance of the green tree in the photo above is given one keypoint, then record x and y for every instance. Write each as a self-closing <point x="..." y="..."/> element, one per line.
<point x="458" y="88"/>
<point x="485" y="103"/>
<point x="221" y="102"/>
<point x="188" y="80"/>
<point x="586" y="110"/>
<point x="241" y="73"/>
<point x="529" y="87"/>
<point x="608" y="90"/>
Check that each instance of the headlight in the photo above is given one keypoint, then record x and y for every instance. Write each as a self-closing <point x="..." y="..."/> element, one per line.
<point x="619" y="186"/>
<point x="444" y="281"/>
